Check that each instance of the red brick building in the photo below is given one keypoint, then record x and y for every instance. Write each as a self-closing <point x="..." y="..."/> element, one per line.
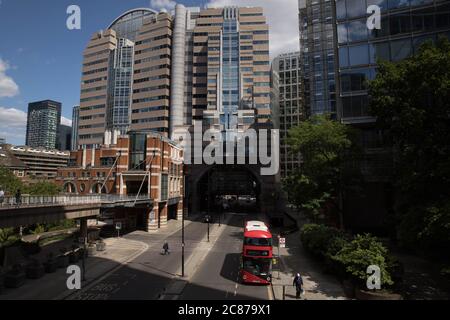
<point x="122" y="166"/>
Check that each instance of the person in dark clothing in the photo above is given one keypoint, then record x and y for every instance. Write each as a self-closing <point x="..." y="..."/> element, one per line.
<point x="166" y="248"/>
<point x="298" y="283"/>
<point x="18" y="197"/>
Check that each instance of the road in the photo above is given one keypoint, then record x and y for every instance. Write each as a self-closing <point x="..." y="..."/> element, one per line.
<point x="217" y="276"/>
<point x="147" y="276"/>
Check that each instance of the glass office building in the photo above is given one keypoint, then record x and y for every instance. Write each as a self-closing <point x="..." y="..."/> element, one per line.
<point x="43" y="122"/>
<point x="318" y="50"/>
<point x="405" y="25"/>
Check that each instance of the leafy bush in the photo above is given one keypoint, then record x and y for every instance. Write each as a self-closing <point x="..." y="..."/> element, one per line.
<point x="316" y="238"/>
<point x="361" y="252"/>
<point x="7" y="237"/>
<point x="39" y="229"/>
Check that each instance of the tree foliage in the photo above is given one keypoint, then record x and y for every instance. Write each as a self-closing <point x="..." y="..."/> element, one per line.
<point x="324" y="145"/>
<point x="411" y="100"/>
<point x="10" y="184"/>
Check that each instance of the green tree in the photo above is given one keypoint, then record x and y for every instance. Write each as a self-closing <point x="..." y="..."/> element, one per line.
<point x="43" y="188"/>
<point x="411" y="102"/>
<point x="325" y="146"/>
<point x="8" y="181"/>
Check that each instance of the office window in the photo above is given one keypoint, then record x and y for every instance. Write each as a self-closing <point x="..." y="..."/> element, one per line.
<point x="379" y="51"/>
<point x="401" y="49"/>
<point x="341" y="12"/>
<point x="356" y="8"/>
<point x="357" y="30"/>
<point x="342" y="33"/>
<point x="381" y="3"/>
<point x="164" y="186"/>
<point x="394" y="4"/>
<point x="400" y="23"/>
<point x="359" y="55"/>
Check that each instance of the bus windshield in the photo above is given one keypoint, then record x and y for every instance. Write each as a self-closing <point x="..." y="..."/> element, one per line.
<point x="261" y="242"/>
<point x="257" y="266"/>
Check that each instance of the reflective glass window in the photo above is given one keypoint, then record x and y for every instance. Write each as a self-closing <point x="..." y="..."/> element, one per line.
<point x="359" y="55"/>
<point x="356" y="8"/>
<point x="357" y="30"/>
<point x="394" y="4"/>
<point x="400" y="23"/>
<point x="381" y="3"/>
<point x="401" y="49"/>
<point x="379" y="51"/>
<point x="340" y="9"/>
<point x="342" y="32"/>
<point x="343" y="57"/>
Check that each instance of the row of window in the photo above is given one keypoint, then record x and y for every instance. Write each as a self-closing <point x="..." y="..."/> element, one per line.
<point x="417" y="21"/>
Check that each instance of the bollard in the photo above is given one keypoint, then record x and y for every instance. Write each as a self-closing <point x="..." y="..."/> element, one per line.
<point x="284" y="292"/>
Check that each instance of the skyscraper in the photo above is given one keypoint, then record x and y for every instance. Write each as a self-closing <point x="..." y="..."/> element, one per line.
<point x="405" y="25"/>
<point x="318" y="49"/>
<point x="75" y="123"/>
<point x="64" y="138"/>
<point x="107" y="79"/>
<point x="160" y="71"/>
<point x="43" y="121"/>
<point x="288" y="67"/>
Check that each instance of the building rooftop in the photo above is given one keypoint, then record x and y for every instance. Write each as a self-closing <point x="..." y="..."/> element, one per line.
<point x="8" y="160"/>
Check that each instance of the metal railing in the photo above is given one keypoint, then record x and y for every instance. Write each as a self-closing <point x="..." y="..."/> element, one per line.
<point x="67" y="200"/>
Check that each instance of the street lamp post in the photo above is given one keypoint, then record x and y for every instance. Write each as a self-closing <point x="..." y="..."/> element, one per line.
<point x="182" y="225"/>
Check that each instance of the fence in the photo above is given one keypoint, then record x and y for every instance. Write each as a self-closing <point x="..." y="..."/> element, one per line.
<point x="36" y="201"/>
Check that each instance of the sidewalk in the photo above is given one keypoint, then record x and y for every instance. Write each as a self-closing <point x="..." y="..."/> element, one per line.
<point x="293" y="259"/>
<point x="118" y="252"/>
<point x="53" y="286"/>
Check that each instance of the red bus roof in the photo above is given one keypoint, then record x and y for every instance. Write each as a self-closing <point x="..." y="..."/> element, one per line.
<point x="257" y="234"/>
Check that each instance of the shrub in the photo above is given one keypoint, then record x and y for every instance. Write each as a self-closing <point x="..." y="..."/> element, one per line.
<point x="358" y="254"/>
<point x="317" y="238"/>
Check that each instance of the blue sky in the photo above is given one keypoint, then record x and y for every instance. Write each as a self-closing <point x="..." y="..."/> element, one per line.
<point x="41" y="59"/>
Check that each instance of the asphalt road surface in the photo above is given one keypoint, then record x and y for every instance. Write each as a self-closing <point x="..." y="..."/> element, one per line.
<point x="217" y="276"/>
<point x="145" y="277"/>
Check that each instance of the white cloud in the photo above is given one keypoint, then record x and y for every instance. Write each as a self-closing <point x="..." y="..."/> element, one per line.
<point x="282" y="17"/>
<point x="8" y="88"/>
<point x="165" y="5"/>
<point x="13" y="123"/>
<point x="66" y="122"/>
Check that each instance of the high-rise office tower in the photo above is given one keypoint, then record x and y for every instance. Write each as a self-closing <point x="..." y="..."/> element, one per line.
<point x="405" y="25"/>
<point x="75" y="123"/>
<point x="64" y="138"/>
<point x="43" y="121"/>
<point x="107" y="79"/>
<point x="288" y="67"/>
<point x="160" y="71"/>
<point x="318" y="50"/>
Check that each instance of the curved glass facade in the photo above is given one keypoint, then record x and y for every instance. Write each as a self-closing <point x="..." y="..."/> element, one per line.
<point x="127" y="26"/>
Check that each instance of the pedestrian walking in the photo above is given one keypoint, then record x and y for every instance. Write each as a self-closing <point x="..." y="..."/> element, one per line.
<point x="166" y="248"/>
<point x="2" y="197"/>
<point x="298" y="283"/>
<point x="18" y="198"/>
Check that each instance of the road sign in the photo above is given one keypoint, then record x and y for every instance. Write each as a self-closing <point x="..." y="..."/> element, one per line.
<point x="282" y="242"/>
<point x="118" y="225"/>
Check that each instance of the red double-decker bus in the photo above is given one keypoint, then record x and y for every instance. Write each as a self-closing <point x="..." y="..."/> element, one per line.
<point x="256" y="259"/>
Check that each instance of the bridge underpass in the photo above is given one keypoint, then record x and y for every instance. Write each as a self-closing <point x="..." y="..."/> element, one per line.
<point x="215" y="181"/>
